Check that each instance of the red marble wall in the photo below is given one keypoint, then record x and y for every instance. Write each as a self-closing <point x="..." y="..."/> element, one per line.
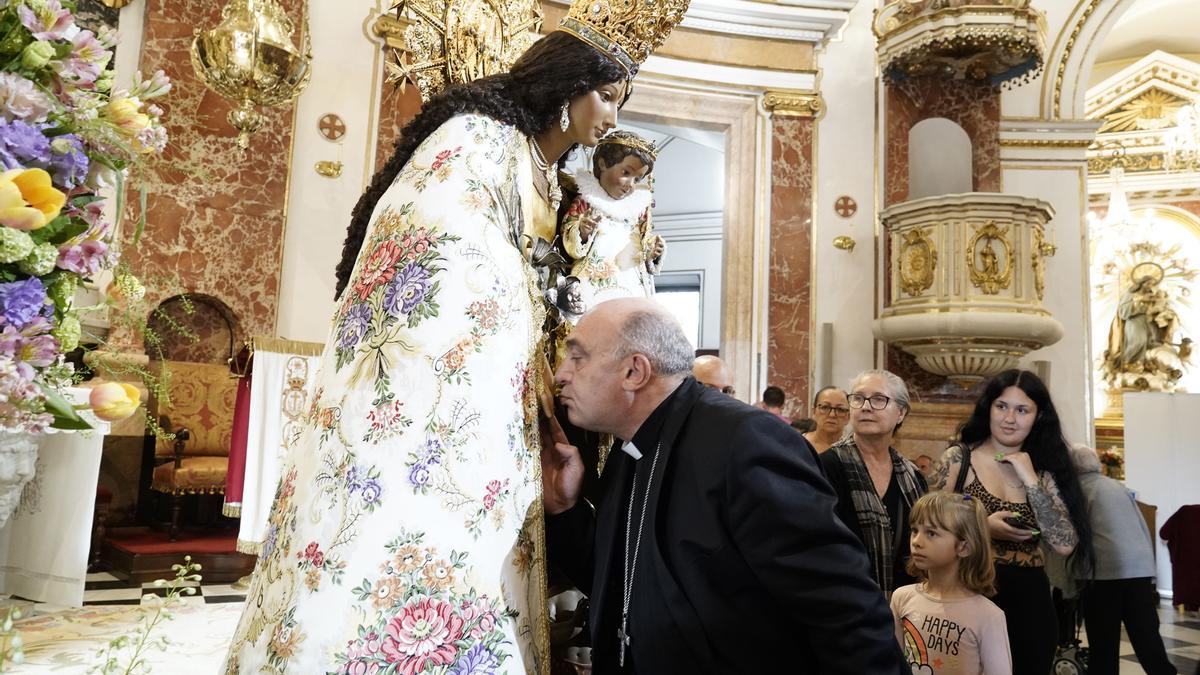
<point x="789" y="336"/>
<point x="1192" y="207"/>
<point x="974" y="106"/>
<point x="215" y="214"/>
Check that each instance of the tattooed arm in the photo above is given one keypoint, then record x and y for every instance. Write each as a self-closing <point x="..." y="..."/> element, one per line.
<point x="1052" y="515"/>
<point x="945" y="470"/>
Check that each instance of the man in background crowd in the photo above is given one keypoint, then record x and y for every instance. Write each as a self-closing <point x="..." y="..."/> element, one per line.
<point x="711" y="371"/>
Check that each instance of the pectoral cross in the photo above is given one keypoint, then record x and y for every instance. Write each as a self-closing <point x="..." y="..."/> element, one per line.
<point x="623" y="639"/>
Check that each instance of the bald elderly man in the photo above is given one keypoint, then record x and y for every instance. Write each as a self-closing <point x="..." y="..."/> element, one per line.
<point x="713" y="546"/>
<point x="711" y="371"/>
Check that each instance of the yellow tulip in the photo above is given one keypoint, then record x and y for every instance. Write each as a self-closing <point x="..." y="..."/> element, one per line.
<point x="114" y="401"/>
<point x="28" y="199"/>
<point x="127" y="114"/>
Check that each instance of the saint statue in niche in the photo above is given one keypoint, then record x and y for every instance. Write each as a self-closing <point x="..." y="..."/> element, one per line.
<point x="991" y="264"/>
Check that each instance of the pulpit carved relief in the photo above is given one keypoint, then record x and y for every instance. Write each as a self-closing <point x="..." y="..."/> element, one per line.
<point x="984" y="263"/>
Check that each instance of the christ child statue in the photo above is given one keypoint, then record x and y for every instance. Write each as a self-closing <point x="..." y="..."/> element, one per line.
<point x="607" y="230"/>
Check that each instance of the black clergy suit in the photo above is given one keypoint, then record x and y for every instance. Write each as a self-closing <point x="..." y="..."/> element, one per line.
<point x="744" y="566"/>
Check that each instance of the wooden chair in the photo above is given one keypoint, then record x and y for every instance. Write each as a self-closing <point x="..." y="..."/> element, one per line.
<point x="1150" y="515"/>
<point x="199" y="412"/>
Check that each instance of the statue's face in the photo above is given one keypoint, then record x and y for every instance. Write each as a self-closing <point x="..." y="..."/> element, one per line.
<point x="620" y="179"/>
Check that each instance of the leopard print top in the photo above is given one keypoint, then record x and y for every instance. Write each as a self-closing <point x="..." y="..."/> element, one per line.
<point x="1026" y="553"/>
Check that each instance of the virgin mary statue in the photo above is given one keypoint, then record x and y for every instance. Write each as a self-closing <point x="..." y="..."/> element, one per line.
<point x="406" y="533"/>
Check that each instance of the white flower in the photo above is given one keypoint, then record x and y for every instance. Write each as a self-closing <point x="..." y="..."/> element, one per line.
<point x="20" y="99"/>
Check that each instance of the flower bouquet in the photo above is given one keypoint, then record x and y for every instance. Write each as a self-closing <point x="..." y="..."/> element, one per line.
<point x="1114" y="462"/>
<point x="65" y="136"/>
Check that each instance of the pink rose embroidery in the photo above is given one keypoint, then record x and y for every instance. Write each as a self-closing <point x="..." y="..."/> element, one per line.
<point x="379" y="269"/>
<point x="424" y="632"/>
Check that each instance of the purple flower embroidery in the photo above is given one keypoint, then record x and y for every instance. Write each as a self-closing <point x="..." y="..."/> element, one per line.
<point x="478" y="660"/>
<point x="418" y="475"/>
<point x="407" y="290"/>
<point x="22" y="301"/>
<point x="371" y="492"/>
<point x="432" y="452"/>
<point x="354" y="478"/>
<point x="355" y="326"/>
<point x="22" y="145"/>
<point x="269" y="541"/>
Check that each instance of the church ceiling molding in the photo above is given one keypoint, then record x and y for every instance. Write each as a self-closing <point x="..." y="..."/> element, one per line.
<point x="1136" y="108"/>
<point x="1146" y="87"/>
<point x="814" y="21"/>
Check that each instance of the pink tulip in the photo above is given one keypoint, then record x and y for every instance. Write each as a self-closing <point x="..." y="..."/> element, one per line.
<point x="114" y="401"/>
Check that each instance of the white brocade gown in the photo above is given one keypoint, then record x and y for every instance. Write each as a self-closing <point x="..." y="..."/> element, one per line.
<point x="406" y="535"/>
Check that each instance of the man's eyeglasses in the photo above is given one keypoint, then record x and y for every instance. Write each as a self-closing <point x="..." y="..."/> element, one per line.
<point x="728" y="390"/>
<point x="878" y="401"/>
<point x="826" y="409"/>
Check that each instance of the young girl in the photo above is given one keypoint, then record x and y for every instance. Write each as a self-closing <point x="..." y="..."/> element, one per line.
<point x="944" y="623"/>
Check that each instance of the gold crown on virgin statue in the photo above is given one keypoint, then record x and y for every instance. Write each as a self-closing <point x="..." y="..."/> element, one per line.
<point x="625" y="30"/>
<point x="632" y="140"/>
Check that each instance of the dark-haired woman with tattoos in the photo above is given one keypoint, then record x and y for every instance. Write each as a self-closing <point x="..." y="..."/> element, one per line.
<point x="1012" y="457"/>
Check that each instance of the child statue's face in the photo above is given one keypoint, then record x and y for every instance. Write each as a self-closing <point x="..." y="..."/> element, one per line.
<point x="620" y="179"/>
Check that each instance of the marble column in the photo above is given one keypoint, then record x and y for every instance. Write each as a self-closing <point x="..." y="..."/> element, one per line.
<point x="789" y="337"/>
<point x="396" y="109"/>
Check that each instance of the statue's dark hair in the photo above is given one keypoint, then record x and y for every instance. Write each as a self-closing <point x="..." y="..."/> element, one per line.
<point x="530" y="97"/>
<point x="1045" y="445"/>
<point x="615" y="153"/>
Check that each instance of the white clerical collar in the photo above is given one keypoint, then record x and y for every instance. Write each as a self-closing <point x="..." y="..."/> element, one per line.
<point x="630" y="449"/>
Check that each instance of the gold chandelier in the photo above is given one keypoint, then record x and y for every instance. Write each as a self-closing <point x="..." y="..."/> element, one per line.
<point x="249" y="59"/>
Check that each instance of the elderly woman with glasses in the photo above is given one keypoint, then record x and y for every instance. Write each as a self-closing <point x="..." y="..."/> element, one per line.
<point x="830" y="412"/>
<point x="876" y="487"/>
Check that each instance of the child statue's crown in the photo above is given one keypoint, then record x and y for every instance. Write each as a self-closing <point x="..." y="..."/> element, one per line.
<point x="632" y="140"/>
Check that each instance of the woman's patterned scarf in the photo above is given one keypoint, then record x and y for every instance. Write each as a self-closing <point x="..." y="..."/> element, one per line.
<point x="872" y="514"/>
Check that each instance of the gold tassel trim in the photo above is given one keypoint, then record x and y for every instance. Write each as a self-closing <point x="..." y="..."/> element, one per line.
<point x="157" y="487"/>
<point x="276" y="345"/>
<point x="233" y="510"/>
<point x="253" y="548"/>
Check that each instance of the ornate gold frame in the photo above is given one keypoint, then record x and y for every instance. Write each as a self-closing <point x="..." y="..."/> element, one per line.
<point x="917" y="260"/>
<point x="1037" y="257"/>
<point x="990" y="279"/>
<point x="450" y="43"/>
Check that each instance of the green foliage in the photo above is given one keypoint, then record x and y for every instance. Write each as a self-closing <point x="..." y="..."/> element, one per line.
<point x="10" y="641"/>
<point x="126" y="654"/>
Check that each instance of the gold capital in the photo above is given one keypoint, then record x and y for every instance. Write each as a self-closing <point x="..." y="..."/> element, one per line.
<point x="793" y="103"/>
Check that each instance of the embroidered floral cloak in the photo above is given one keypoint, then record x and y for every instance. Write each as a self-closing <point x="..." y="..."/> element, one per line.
<point x="406" y="534"/>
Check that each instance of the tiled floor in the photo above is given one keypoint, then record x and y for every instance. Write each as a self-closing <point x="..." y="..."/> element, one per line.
<point x="105" y="589"/>
<point x="1181" y="637"/>
<point x="1181" y="632"/>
